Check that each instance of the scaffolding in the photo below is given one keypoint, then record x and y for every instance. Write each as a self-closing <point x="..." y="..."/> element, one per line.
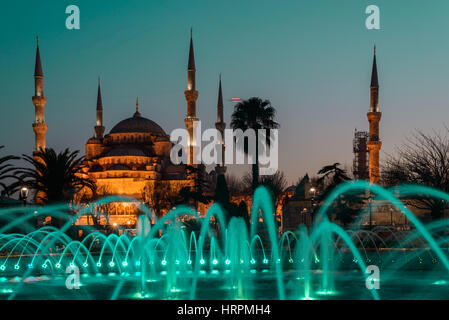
<point x="360" y="164"/>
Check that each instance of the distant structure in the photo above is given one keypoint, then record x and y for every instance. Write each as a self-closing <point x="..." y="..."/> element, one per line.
<point x="374" y="144"/>
<point x="360" y="149"/>
<point x="298" y="208"/>
<point x="39" y="101"/>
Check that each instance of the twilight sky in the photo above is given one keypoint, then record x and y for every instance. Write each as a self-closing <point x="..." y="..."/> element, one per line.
<point x="312" y="59"/>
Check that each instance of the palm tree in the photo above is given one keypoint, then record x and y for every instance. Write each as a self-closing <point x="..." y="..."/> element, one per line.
<point x="6" y="172"/>
<point x="255" y="114"/>
<point x="55" y="177"/>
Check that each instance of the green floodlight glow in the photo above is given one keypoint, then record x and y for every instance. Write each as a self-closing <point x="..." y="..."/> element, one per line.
<point x="441" y="282"/>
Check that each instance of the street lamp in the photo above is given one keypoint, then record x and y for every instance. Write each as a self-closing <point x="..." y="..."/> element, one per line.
<point x="24" y="194"/>
<point x="312" y="192"/>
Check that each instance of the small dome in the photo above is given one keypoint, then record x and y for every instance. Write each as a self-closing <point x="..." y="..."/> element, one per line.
<point x="93" y="140"/>
<point x="138" y="124"/>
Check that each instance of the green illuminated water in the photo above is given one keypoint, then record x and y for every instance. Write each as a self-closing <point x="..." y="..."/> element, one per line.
<point x="228" y="261"/>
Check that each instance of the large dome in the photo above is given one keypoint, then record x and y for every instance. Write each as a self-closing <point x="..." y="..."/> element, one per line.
<point x="137" y="124"/>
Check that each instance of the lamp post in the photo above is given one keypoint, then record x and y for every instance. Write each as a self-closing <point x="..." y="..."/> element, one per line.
<point x="312" y="194"/>
<point x="24" y="195"/>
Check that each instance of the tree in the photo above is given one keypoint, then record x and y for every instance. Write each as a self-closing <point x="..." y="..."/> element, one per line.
<point x="255" y="114"/>
<point x="275" y="183"/>
<point x="423" y="159"/>
<point x="236" y="186"/>
<point x="221" y="191"/>
<point x="160" y="196"/>
<point x="347" y="206"/>
<point x="201" y="184"/>
<point x="7" y="172"/>
<point x="85" y="197"/>
<point x="223" y="198"/>
<point x="55" y="177"/>
<point x="331" y="176"/>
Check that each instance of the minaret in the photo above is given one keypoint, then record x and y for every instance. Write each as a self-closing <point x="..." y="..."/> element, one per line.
<point x="99" y="128"/>
<point x="39" y="101"/>
<point x="191" y="96"/>
<point x="374" y="144"/>
<point x="220" y="126"/>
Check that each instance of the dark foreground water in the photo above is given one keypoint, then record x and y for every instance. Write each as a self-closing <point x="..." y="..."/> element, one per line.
<point x="349" y="284"/>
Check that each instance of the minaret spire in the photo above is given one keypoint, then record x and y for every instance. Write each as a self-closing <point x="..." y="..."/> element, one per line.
<point x="191" y="64"/>
<point x="374" y="78"/>
<point x="99" y="128"/>
<point x="220" y="126"/>
<point x="38" y="66"/>
<point x="99" y="101"/>
<point x="220" y="102"/>
<point x="374" y="144"/>
<point x="39" y="101"/>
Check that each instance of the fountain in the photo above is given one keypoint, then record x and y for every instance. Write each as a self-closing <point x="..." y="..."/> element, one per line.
<point x="226" y="260"/>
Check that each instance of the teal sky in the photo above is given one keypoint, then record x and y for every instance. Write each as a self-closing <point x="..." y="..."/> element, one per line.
<point x="312" y="59"/>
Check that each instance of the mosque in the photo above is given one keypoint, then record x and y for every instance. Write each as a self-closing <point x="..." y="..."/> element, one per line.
<point x="135" y="154"/>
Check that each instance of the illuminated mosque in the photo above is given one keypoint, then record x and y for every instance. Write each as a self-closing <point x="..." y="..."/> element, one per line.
<point x="135" y="154"/>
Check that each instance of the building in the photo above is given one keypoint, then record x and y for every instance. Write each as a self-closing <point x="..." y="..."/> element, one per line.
<point x="135" y="154"/>
<point x="298" y="208"/>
